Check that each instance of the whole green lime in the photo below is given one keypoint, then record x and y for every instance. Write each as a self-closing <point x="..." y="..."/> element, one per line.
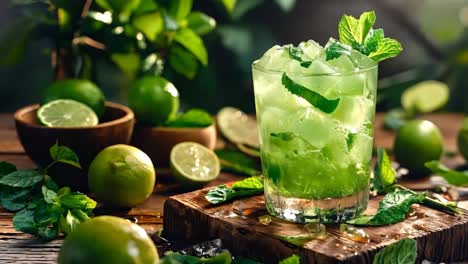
<point x="154" y="100"/>
<point x="108" y="240"/>
<point x="121" y="176"/>
<point x="82" y="91"/>
<point x="417" y="142"/>
<point x="462" y="139"/>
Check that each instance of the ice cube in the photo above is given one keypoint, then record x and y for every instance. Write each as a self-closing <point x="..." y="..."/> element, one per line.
<point x="342" y="64"/>
<point x="311" y="49"/>
<point x="353" y="111"/>
<point x="319" y="66"/>
<point x="274" y="59"/>
<point x="353" y="84"/>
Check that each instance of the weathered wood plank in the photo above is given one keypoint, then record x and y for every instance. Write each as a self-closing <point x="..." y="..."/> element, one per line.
<point x="189" y="217"/>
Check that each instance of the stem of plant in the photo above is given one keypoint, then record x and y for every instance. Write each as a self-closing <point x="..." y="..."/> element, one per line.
<point x="438" y="205"/>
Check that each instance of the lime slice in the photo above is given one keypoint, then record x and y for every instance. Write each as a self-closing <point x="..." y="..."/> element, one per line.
<point x="425" y="97"/>
<point x="238" y="127"/>
<point x="66" y="113"/>
<point x="194" y="164"/>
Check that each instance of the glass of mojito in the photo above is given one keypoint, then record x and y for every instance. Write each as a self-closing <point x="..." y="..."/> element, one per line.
<point x="315" y="111"/>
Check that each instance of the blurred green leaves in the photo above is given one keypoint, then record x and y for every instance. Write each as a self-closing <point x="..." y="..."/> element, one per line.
<point x="14" y="39"/>
<point x="191" y="41"/>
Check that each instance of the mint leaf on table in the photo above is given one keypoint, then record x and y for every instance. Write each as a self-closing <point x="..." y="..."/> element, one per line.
<point x="323" y="104"/>
<point x="177" y="258"/>
<point x="296" y="53"/>
<point x="384" y="174"/>
<point x="65" y="155"/>
<point x="293" y="259"/>
<point x="248" y="187"/>
<point x="192" y="118"/>
<point x="404" y="251"/>
<point x="48" y="232"/>
<point x="75" y="200"/>
<point x="46" y="213"/>
<point x="71" y="220"/>
<point x="239" y="162"/>
<point x="22" y="178"/>
<point x="392" y="209"/>
<point x="14" y="199"/>
<point x="49" y="195"/>
<point x="6" y="168"/>
<point x="453" y="177"/>
<point x="24" y="221"/>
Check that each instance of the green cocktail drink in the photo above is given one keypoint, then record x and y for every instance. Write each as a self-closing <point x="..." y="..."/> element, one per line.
<point x="316" y="131"/>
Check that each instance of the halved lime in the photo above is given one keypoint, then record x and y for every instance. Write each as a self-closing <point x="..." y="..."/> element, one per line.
<point x="66" y="113"/>
<point x="238" y="127"/>
<point x="425" y="97"/>
<point x="194" y="164"/>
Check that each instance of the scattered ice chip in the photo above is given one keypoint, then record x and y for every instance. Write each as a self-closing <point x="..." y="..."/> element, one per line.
<point x="316" y="229"/>
<point x="264" y="219"/>
<point x="354" y="234"/>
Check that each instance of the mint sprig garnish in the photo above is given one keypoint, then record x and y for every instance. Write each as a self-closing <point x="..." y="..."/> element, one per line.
<point x="296" y="54"/>
<point x="323" y="104"/>
<point x="359" y="34"/>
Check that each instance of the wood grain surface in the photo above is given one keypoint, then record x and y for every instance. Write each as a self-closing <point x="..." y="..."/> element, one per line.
<point x="17" y="247"/>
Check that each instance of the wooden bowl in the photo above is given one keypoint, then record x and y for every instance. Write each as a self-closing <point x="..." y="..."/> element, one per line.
<point x="116" y="126"/>
<point x="157" y="142"/>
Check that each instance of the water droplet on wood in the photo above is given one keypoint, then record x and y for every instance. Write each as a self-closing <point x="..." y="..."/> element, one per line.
<point x="354" y="234"/>
<point x="264" y="219"/>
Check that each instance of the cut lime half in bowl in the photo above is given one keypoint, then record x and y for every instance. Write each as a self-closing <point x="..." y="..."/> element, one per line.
<point x="66" y="113"/>
<point x="193" y="164"/>
<point x="425" y="97"/>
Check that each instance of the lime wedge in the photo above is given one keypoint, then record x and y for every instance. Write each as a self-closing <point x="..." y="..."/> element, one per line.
<point x="238" y="127"/>
<point x="425" y="97"/>
<point x="194" y="164"/>
<point x="66" y="113"/>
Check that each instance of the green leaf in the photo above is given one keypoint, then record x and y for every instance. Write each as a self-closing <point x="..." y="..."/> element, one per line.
<point x="63" y="191"/>
<point x="119" y="6"/>
<point x="315" y="99"/>
<point x="392" y="209"/>
<point x="65" y="155"/>
<point x="129" y="63"/>
<point x="49" y="195"/>
<point x="239" y="162"/>
<point x="229" y="4"/>
<point x="179" y="9"/>
<point x="384" y="175"/>
<point x="183" y="61"/>
<point x="352" y="30"/>
<point x="48" y="233"/>
<point x="75" y="200"/>
<point x="23" y="221"/>
<point x="373" y="39"/>
<point x="241" y="260"/>
<point x="14" y="199"/>
<point x="387" y="48"/>
<point x="337" y="49"/>
<point x="6" y="168"/>
<point x="286" y="5"/>
<point x="151" y="25"/>
<point x="177" y="258"/>
<point x="14" y="40"/>
<point x="247" y="187"/>
<point x="200" y="23"/>
<point x="293" y="259"/>
<point x="21" y="178"/>
<point x="404" y="251"/>
<point x="50" y="184"/>
<point x="453" y="177"/>
<point x="47" y="213"/>
<point x="299" y="240"/>
<point x="295" y="53"/>
<point x="192" y="118"/>
<point x="71" y="220"/>
<point x="191" y="41"/>
<point x="366" y="22"/>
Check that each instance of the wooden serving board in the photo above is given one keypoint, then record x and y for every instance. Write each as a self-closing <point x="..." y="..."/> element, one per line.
<point x="190" y="218"/>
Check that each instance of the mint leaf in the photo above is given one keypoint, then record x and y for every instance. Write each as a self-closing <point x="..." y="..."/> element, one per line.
<point x="14" y="199"/>
<point x="177" y="258"/>
<point x="65" y="155"/>
<point x="323" y="104"/>
<point x="49" y="195"/>
<point x="335" y="50"/>
<point x="23" y="221"/>
<point x="71" y="220"/>
<point x="192" y="42"/>
<point x="183" y="62"/>
<point x="392" y="209"/>
<point x="247" y="187"/>
<point x="237" y="161"/>
<point x="179" y="9"/>
<point x="192" y="118"/>
<point x="453" y="177"/>
<point x="386" y="48"/>
<point x="352" y="30"/>
<point x="47" y="213"/>
<point x="373" y="39"/>
<point x="49" y="232"/>
<point x="6" y="168"/>
<point x="299" y="240"/>
<point x="75" y="200"/>
<point x="296" y="54"/>
<point x="404" y="251"/>
<point x="21" y="178"/>
<point x="293" y="259"/>
<point x="384" y="175"/>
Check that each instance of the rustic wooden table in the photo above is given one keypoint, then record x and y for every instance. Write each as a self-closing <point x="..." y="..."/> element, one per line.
<point x="16" y="247"/>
